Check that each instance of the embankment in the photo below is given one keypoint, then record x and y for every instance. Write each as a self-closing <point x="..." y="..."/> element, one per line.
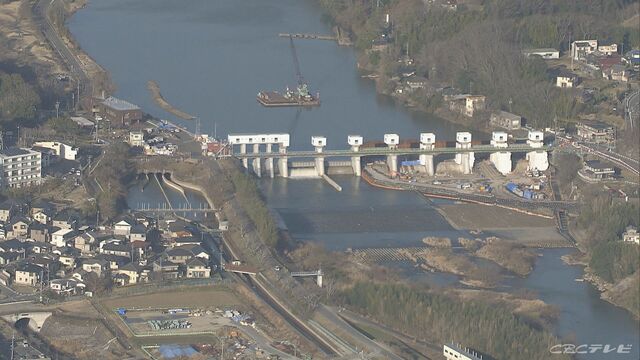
<point x="154" y="88"/>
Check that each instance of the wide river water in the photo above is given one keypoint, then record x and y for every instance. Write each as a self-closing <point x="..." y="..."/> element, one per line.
<point x="211" y="57"/>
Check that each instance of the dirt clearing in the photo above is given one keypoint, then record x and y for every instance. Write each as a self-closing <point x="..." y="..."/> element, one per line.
<point x="189" y="298"/>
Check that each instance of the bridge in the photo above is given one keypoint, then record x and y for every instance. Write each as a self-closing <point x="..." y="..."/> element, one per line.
<point x="276" y="148"/>
<point x="164" y="207"/>
<point x="36" y="319"/>
<point x="317" y="273"/>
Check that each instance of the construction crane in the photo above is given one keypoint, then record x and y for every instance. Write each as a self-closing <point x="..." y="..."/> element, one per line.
<point x="296" y="63"/>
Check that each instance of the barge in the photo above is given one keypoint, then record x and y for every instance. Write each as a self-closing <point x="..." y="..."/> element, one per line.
<point x="300" y="97"/>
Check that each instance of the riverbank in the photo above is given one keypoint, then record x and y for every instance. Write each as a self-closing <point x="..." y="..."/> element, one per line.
<point x="620" y="294"/>
<point x="28" y="40"/>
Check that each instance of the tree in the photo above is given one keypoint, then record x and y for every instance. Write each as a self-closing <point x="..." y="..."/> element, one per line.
<point x="18" y="99"/>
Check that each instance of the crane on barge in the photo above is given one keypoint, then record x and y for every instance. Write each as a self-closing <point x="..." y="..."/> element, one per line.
<point x="300" y="97"/>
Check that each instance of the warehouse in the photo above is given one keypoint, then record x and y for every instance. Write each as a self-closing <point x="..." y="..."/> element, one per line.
<point x="119" y="112"/>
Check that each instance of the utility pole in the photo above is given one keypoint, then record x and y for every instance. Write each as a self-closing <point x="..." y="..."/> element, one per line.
<point x="57" y="108"/>
<point x="510" y="103"/>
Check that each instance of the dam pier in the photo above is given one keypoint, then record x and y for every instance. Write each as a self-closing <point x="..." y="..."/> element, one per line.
<point x="271" y="149"/>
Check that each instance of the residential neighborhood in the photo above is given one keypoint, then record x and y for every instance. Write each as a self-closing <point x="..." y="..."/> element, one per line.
<point x="46" y="247"/>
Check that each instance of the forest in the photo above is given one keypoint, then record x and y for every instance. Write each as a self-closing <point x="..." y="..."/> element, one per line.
<point x="604" y="221"/>
<point x="485" y="328"/>
<point x="478" y="47"/>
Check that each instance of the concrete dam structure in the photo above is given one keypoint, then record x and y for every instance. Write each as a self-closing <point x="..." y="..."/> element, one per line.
<point x="270" y="154"/>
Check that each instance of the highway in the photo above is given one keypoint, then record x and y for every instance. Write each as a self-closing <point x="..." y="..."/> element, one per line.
<point x="40" y="11"/>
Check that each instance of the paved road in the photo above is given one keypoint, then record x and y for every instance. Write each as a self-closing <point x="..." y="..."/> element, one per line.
<point x="625" y="162"/>
<point x="40" y="10"/>
<point x="632" y="109"/>
<point x="373" y="347"/>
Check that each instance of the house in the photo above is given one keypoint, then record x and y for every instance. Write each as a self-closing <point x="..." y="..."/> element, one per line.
<point x="40" y="247"/>
<point x="186" y="240"/>
<point x="70" y="286"/>
<point x="595" y="131"/>
<point x="197" y="251"/>
<point x="598" y="170"/>
<point x="566" y="79"/>
<point x="136" y="138"/>
<point x="43" y="216"/>
<point x="122" y="227"/>
<point x="131" y="271"/>
<point x="178" y="255"/>
<point x="14" y="245"/>
<point x="166" y="268"/>
<point x="98" y="266"/>
<point x="85" y="242"/>
<point x="581" y="48"/>
<point x="67" y="256"/>
<point x="19" y="227"/>
<point x="9" y="257"/>
<point x="546" y="54"/>
<point x="3" y="232"/>
<point x="115" y="248"/>
<point x="7" y="210"/>
<point x="114" y="262"/>
<point x="617" y="73"/>
<point x="632" y="58"/>
<point x="178" y="229"/>
<point x="46" y="261"/>
<point x="604" y="63"/>
<point x="65" y="219"/>
<point x="473" y="104"/>
<point x="28" y="274"/>
<point x="138" y="233"/>
<point x="60" y="237"/>
<point x="608" y="49"/>
<point x="506" y="120"/>
<point x="196" y="268"/>
<point x="39" y="232"/>
<point x="631" y="235"/>
<point x="465" y="104"/>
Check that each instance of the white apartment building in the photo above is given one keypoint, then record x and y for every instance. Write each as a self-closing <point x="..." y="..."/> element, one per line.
<point x="20" y="167"/>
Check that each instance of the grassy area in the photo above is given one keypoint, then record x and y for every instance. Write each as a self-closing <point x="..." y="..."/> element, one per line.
<point x="189" y="297"/>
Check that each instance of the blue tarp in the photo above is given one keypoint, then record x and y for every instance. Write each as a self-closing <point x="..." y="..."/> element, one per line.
<point x="174" y="351"/>
<point x="410" y="163"/>
<point x="511" y="187"/>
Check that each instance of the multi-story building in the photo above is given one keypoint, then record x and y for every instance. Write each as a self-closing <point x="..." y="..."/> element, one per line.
<point x="595" y="131"/>
<point x="20" y="167"/>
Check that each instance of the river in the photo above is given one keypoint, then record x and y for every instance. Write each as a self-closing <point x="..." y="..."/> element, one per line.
<point x="210" y="59"/>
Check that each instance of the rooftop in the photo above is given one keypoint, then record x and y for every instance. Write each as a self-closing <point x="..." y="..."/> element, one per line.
<point x="14" y="151"/>
<point x="597" y="165"/>
<point x="81" y="121"/>
<point x="598" y="125"/>
<point x="540" y="50"/>
<point x="119" y="104"/>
